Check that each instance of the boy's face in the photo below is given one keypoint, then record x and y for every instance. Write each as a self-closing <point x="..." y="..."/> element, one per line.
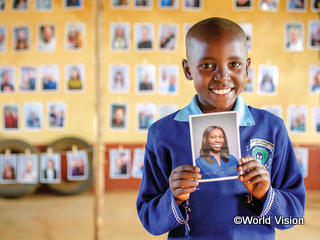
<point x="218" y="66"/>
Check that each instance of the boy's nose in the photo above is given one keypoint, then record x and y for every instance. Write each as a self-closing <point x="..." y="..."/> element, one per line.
<point x="222" y="75"/>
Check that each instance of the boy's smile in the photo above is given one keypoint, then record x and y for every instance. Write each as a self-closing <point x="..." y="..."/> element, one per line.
<point x="218" y="65"/>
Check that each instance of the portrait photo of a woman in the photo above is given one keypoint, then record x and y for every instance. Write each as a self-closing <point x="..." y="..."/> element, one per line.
<point x="215" y="159"/>
<point x="215" y="145"/>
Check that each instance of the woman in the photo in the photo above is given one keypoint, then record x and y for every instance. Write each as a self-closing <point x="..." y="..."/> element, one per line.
<point x="118" y="81"/>
<point x="75" y="79"/>
<point x="8" y="171"/>
<point x="316" y="82"/>
<point x="119" y="41"/>
<point x="22" y="39"/>
<point x="267" y="84"/>
<point x="10" y="118"/>
<point x="215" y="159"/>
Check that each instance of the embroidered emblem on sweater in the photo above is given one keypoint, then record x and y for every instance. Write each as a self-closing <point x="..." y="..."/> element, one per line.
<point x="261" y="149"/>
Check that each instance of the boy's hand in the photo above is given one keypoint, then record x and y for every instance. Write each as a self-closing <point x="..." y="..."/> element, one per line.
<point x="254" y="176"/>
<point x="183" y="180"/>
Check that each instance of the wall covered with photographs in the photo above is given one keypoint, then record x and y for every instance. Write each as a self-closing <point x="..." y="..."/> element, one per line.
<point x="47" y="65"/>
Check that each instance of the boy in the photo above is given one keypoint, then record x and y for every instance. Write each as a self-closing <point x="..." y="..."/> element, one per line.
<point x="269" y="188"/>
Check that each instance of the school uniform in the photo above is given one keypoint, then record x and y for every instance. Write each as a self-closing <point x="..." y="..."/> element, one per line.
<point x="209" y="213"/>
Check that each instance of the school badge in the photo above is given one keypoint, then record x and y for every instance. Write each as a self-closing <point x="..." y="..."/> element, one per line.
<point x="261" y="150"/>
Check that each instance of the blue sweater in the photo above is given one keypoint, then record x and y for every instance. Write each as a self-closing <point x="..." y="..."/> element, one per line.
<point x="209" y="213"/>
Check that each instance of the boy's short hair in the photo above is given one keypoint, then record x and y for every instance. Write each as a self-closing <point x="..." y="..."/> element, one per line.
<point x="211" y="28"/>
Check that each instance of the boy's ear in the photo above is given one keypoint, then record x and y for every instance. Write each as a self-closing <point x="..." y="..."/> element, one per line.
<point x="186" y="69"/>
<point x="248" y="65"/>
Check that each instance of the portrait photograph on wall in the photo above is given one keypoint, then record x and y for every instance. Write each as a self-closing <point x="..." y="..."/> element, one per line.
<point x="269" y="5"/>
<point x="120" y="163"/>
<point x="73" y="4"/>
<point x="28" y="78"/>
<point x="145" y="78"/>
<point x="247" y="28"/>
<point x="138" y="161"/>
<point x="274" y="109"/>
<point x="294" y="37"/>
<point x="316" y="119"/>
<point x="166" y="109"/>
<point x="10" y="117"/>
<point x="296" y="5"/>
<point x="7" y="79"/>
<point x="77" y="165"/>
<point x="43" y="5"/>
<point x="315" y="5"/>
<point x="28" y="171"/>
<point x="249" y="83"/>
<point x="118" y="119"/>
<point x="50" y="168"/>
<point x="119" y="3"/>
<point x="56" y="115"/>
<point x="297" y="118"/>
<point x="168" y="4"/>
<point x="46" y="37"/>
<point x="314" y="75"/>
<point x="314" y="35"/>
<point x="2" y="5"/>
<point x="120" y="36"/>
<point x="143" y="4"/>
<point x="33" y="116"/>
<point x="75" y="77"/>
<point x="146" y="115"/>
<point x="302" y="155"/>
<point x="215" y="145"/>
<point x="243" y="4"/>
<point x="21" y="38"/>
<point x="20" y="5"/>
<point x="168" y="79"/>
<point x="75" y="36"/>
<point x="192" y="4"/>
<point x="119" y="78"/>
<point x="8" y="169"/>
<point x="168" y="35"/>
<point x="3" y="38"/>
<point x="144" y="36"/>
<point x="49" y="77"/>
<point x="268" y="78"/>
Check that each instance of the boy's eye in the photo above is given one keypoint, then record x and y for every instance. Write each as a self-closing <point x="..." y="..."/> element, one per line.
<point x="235" y="64"/>
<point x="208" y="66"/>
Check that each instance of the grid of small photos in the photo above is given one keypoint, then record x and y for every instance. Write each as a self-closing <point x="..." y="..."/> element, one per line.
<point x="43" y="168"/>
<point x="147" y="37"/>
<point x="32" y="79"/>
<point x="166" y="82"/>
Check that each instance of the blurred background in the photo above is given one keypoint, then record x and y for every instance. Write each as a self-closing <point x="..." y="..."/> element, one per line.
<point x="48" y="122"/>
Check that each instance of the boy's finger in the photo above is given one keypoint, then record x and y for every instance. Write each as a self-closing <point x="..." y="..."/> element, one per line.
<point x="253" y="173"/>
<point x="260" y="179"/>
<point x="184" y="175"/>
<point x="250" y="164"/>
<point x="189" y="168"/>
<point x="181" y="191"/>
<point x="246" y="159"/>
<point x="184" y="184"/>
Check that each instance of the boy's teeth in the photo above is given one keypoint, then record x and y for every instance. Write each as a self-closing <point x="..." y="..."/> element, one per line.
<point x="222" y="91"/>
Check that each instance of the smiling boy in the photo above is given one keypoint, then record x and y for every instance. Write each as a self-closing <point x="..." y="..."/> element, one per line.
<point x="270" y="182"/>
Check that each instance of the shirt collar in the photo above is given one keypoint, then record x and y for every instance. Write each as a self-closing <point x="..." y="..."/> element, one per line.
<point x="244" y="115"/>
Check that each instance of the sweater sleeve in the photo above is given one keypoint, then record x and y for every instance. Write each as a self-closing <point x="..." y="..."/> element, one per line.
<point x="286" y="195"/>
<point x="157" y="208"/>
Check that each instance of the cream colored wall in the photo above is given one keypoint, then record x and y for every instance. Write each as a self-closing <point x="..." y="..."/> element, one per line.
<point x="268" y="48"/>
